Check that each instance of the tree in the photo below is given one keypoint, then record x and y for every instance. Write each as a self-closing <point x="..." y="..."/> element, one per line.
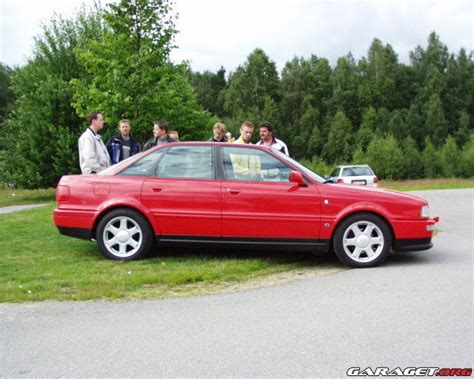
<point x="432" y="165"/>
<point x="6" y="93"/>
<point x="250" y="84"/>
<point x="366" y="132"/>
<point x="385" y="157"/>
<point x="305" y="90"/>
<point x="345" y="84"/>
<point x="462" y="134"/>
<point x="467" y="158"/>
<point x="435" y="121"/>
<point x="413" y="164"/>
<point x="41" y="133"/>
<point x="378" y="77"/>
<point x="338" y="148"/>
<point x="129" y="74"/>
<point x="209" y="89"/>
<point x="450" y="159"/>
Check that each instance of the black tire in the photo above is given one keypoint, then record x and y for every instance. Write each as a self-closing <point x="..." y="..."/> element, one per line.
<point x="130" y="231"/>
<point x="370" y="248"/>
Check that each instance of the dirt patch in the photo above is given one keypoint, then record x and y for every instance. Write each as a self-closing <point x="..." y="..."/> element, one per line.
<point x="207" y="288"/>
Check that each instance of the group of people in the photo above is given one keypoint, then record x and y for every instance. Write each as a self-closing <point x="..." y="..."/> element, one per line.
<point x="95" y="156"/>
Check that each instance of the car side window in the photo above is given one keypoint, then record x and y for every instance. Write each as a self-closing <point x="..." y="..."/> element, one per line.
<point x="187" y="162"/>
<point x="144" y="166"/>
<point x="254" y="165"/>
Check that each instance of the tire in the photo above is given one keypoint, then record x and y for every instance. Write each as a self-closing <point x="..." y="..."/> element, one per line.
<point x="362" y="240"/>
<point x="124" y="234"/>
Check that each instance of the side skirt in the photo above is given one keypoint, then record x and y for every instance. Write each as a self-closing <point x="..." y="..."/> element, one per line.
<point x="274" y="243"/>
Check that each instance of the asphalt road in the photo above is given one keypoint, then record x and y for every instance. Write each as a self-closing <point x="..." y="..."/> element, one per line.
<point x="415" y="310"/>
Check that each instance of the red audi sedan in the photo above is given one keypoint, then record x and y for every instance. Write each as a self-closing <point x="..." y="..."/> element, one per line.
<point x="199" y="193"/>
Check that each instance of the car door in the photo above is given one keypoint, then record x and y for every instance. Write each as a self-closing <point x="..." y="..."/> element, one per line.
<point x="183" y="194"/>
<point x="258" y="200"/>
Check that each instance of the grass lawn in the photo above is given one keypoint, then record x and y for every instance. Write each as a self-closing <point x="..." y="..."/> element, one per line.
<point x="427" y="184"/>
<point x="14" y="196"/>
<point x="37" y="263"/>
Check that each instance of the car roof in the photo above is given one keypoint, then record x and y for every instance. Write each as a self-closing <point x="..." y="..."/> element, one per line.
<point x="353" y="165"/>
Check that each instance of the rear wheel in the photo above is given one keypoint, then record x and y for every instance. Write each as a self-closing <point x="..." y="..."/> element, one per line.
<point x="362" y="240"/>
<point x="124" y="234"/>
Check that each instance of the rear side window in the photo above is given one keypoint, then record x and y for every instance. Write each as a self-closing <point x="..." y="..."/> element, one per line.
<point x="144" y="166"/>
<point x="187" y="162"/>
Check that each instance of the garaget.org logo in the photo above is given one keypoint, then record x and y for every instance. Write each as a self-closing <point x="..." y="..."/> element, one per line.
<point x="409" y="371"/>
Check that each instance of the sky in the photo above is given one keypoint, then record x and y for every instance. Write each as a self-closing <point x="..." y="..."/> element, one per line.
<point x="215" y="33"/>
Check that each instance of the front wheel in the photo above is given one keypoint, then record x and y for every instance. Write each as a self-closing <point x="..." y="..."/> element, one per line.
<point x="362" y="240"/>
<point x="124" y="234"/>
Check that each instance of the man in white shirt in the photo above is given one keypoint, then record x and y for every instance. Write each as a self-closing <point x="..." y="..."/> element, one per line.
<point x="93" y="155"/>
<point x="267" y="139"/>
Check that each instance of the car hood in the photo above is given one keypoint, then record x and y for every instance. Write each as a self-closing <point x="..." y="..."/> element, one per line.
<point x="371" y="193"/>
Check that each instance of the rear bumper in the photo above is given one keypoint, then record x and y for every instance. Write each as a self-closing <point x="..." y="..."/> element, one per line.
<point x="74" y="218"/>
<point x="85" y="234"/>
<point x="412" y="244"/>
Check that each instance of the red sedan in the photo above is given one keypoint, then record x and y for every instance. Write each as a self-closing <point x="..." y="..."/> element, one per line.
<point x="200" y="193"/>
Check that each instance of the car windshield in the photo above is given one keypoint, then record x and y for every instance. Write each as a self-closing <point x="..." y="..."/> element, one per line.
<point x="357" y="171"/>
<point x="306" y="170"/>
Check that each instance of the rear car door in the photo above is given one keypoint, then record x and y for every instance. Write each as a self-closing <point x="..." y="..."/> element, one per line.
<point x="183" y="194"/>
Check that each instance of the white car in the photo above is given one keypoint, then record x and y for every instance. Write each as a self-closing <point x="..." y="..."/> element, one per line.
<point x="354" y="174"/>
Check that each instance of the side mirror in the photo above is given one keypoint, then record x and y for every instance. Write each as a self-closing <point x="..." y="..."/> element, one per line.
<point x="296" y="177"/>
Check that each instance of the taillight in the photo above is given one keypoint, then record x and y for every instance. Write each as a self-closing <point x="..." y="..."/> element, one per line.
<point x="62" y="193"/>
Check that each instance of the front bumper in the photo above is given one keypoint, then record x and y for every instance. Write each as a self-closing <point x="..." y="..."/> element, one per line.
<point x="412" y="244"/>
<point x="414" y="235"/>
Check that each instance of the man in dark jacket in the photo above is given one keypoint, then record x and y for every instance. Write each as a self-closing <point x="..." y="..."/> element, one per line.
<point x="160" y="135"/>
<point x="123" y="145"/>
<point x="218" y="131"/>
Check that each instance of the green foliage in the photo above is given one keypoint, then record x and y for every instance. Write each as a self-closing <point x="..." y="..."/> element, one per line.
<point x="435" y="120"/>
<point x="431" y="160"/>
<point x="209" y="89"/>
<point x="40" y="136"/>
<point x="450" y="159"/>
<point x="129" y="74"/>
<point x="250" y="87"/>
<point x="338" y="147"/>
<point x="385" y="157"/>
<point x="467" y="158"/>
<point x="6" y="93"/>
<point x="117" y="61"/>
<point x="412" y="160"/>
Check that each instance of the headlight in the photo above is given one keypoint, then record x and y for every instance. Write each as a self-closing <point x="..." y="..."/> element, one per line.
<point x="425" y="211"/>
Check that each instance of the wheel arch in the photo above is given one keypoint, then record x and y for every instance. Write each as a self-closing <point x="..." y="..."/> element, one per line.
<point x="146" y="214"/>
<point x="358" y="211"/>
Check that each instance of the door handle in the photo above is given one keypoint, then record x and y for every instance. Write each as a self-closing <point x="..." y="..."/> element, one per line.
<point x="157" y="189"/>
<point x="233" y="191"/>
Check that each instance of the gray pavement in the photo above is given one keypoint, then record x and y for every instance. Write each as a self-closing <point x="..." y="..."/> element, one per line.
<point x="16" y="208"/>
<point x="415" y="310"/>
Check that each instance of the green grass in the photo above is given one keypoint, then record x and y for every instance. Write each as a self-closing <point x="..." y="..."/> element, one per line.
<point x="37" y="263"/>
<point x="9" y="196"/>
<point x="427" y="184"/>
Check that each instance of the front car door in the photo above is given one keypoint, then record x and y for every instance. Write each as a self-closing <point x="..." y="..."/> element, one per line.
<point x="258" y="200"/>
<point x="183" y="194"/>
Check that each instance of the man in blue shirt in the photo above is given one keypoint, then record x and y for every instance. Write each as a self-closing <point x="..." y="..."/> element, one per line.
<point x="122" y="145"/>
